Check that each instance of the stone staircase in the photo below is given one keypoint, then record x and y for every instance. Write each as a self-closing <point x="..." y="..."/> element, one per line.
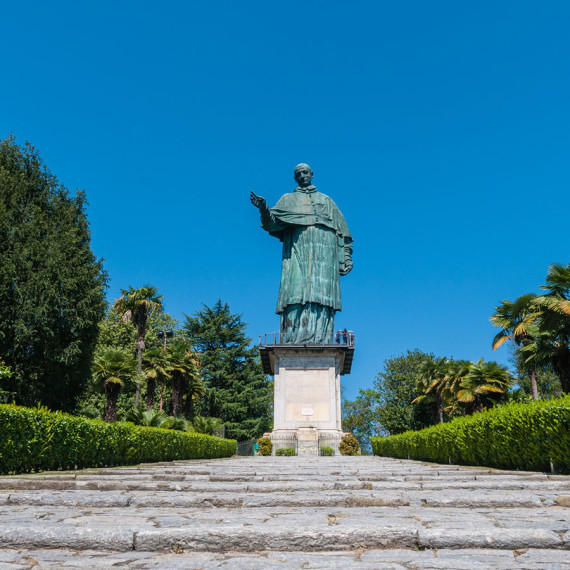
<point x="286" y="512"/>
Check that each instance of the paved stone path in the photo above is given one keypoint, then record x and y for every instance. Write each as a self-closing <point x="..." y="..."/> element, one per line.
<point x="286" y="512"/>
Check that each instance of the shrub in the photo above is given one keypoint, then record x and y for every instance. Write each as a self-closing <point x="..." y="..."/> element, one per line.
<point x="265" y="446"/>
<point x="152" y="418"/>
<point x="288" y="451"/>
<point x="35" y="439"/>
<point x="514" y="436"/>
<point x="206" y="425"/>
<point x="349" y="445"/>
<point x="326" y="450"/>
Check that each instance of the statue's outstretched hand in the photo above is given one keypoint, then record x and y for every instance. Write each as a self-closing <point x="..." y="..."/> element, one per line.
<point x="258" y="201"/>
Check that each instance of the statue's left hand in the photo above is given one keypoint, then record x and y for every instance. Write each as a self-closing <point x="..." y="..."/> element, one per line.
<point x="346" y="268"/>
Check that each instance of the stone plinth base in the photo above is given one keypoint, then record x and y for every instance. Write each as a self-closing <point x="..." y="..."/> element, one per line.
<point x="307" y="397"/>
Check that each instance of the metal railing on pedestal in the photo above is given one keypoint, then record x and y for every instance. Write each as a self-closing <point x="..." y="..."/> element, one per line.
<point x="328" y="440"/>
<point x="339" y="338"/>
<point x="284" y="441"/>
<point x="245" y="448"/>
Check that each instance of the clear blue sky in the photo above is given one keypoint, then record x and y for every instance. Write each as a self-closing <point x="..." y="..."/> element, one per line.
<point x="441" y="129"/>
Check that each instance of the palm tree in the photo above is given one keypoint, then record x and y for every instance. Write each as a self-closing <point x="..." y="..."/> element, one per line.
<point x="552" y="342"/>
<point x="540" y="325"/>
<point x="135" y="305"/>
<point x="162" y="420"/>
<point x="194" y="389"/>
<point x="518" y="321"/>
<point x="111" y="369"/>
<point x="156" y="368"/>
<point x="186" y="381"/>
<point x="482" y="385"/>
<point x="207" y="425"/>
<point x="455" y="375"/>
<point x="432" y="383"/>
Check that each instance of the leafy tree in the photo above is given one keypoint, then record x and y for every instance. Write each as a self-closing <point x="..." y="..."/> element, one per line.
<point x="359" y="417"/>
<point x="5" y="373"/>
<point x="237" y="391"/>
<point x="395" y="388"/>
<point x="51" y="285"/>
<point x="111" y="370"/>
<point x="547" y="383"/>
<point x="136" y="305"/>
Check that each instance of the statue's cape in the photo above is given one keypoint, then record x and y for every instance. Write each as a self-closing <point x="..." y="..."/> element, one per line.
<point x="298" y="209"/>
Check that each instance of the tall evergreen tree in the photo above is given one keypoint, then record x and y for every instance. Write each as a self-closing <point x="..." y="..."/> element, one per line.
<point x="51" y="285"/>
<point x="238" y="392"/>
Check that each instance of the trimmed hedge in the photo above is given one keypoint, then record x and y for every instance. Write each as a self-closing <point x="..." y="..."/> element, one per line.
<point x="34" y="439"/>
<point x="516" y="436"/>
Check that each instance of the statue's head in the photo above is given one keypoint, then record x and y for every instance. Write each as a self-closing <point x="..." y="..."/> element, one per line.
<point x="303" y="174"/>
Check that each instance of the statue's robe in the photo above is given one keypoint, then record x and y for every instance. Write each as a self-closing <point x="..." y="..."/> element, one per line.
<point x="315" y="237"/>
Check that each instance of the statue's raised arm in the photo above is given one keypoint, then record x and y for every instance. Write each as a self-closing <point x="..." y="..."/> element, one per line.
<point x="258" y="201"/>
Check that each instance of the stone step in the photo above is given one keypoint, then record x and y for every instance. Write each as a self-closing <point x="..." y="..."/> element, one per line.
<point x="147" y="517"/>
<point x="292" y="510"/>
<point x="285" y="537"/>
<point x="240" y="486"/>
<point x="328" y="498"/>
<point x="245" y="474"/>
<point x="395" y="559"/>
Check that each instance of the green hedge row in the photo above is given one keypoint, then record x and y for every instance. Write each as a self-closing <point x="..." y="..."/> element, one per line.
<point x="37" y="439"/>
<point x="516" y="436"/>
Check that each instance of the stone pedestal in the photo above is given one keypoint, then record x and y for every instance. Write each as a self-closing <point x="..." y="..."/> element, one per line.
<point x="307" y="395"/>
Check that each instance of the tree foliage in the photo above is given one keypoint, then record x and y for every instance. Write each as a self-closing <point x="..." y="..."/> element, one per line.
<point x="460" y="386"/>
<point x="5" y="374"/>
<point x="395" y="388"/>
<point x="51" y="285"/>
<point x="237" y="391"/>
<point x="111" y="370"/>
<point x="115" y="333"/>
<point x="135" y="305"/>
<point x="540" y="326"/>
<point x="187" y="386"/>
<point x="547" y="383"/>
<point x="359" y="417"/>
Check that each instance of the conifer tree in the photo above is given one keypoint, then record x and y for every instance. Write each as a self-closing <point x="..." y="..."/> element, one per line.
<point x="51" y="285"/>
<point x="237" y="391"/>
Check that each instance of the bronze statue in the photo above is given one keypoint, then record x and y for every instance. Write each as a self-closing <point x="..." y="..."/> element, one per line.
<point x="317" y="249"/>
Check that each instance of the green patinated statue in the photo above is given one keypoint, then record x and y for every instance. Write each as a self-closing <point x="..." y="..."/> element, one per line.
<point x="317" y="249"/>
